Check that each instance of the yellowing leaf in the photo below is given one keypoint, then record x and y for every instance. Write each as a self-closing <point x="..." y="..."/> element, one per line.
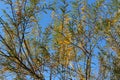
<point x="70" y="48"/>
<point x="66" y="42"/>
<point x="33" y="19"/>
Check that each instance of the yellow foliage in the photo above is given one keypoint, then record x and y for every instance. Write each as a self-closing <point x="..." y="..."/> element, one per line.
<point x="83" y="9"/>
<point x="63" y="38"/>
<point x="34" y="1"/>
<point x="82" y="79"/>
<point x="67" y="19"/>
<point x="60" y="28"/>
<point x="70" y="48"/>
<point x="80" y="27"/>
<point x="33" y="19"/>
<point x="66" y="42"/>
<point x="63" y="42"/>
<point x="114" y="21"/>
<point x="5" y="69"/>
<point x="14" y="59"/>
